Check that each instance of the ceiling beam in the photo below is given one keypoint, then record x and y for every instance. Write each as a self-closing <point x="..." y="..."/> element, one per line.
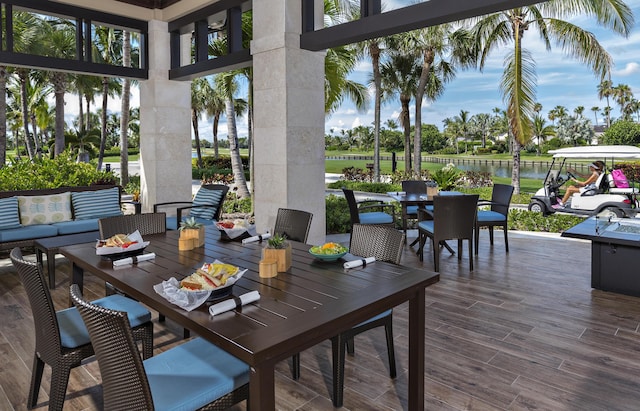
<point x="429" y="13"/>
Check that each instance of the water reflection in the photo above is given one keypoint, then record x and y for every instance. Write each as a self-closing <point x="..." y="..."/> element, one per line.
<point x="536" y="171"/>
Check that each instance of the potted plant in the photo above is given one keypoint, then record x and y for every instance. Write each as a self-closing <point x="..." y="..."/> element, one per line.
<point x="192" y="232"/>
<point x="279" y="249"/>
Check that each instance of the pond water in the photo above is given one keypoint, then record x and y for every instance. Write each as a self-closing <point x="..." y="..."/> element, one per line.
<point x="536" y="172"/>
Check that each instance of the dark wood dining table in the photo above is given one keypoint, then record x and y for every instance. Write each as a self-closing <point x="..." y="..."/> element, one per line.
<point x="297" y="309"/>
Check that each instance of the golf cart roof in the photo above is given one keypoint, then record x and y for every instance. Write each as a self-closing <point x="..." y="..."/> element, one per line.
<point x="597" y="152"/>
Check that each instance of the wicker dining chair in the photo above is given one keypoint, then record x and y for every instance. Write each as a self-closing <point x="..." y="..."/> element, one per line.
<point x="193" y="375"/>
<point x="369" y="211"/>
<point x="146" y="224"/>
<point x="410" y="212"/>
<point x="294" y="224"/>
<point x="497" y="215"/>
<point x="385" y="244"/>
<point x="62" y="341"/>
<point x="453" y="217"/>
<point x="206" y="206"/>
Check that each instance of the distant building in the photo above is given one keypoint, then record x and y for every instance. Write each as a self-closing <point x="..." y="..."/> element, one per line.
<point x="598" y="130"/>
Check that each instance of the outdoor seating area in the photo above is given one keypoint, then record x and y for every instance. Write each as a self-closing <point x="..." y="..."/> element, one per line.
<point x="512" y="333"/>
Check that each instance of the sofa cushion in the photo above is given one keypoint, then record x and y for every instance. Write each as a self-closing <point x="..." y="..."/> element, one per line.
<point x="77" y="226"/>
<point x="9" y="217"/>
<point x="96" y="204"/>
<point x="205" y="196"/>
<point x="45" y="209"/>
<point x="30" y="232"/>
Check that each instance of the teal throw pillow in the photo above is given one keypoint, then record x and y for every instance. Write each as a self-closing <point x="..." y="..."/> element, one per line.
<point x="206" y="197"/>
<point x="96" y="204"/>
<point x="9" y="217"/>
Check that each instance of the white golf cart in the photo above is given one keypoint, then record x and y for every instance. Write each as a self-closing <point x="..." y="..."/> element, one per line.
<point x="621" y="202"/>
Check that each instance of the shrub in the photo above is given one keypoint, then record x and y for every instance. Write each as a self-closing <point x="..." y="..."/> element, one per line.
<point x="233" y="205"/>
<point x="447" y="177"/>
<point x="338" y="219"/>
<point x="525" y="220"/>
<point x="50" y="173"/>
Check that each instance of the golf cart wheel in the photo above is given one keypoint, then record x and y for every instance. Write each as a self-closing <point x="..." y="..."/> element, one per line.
<point x="537" y="206"/>
<point x="611" y="211"/>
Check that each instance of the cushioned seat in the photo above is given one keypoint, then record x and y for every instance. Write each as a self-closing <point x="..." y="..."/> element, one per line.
<point x="28" y="232"/>
<point x="369" y="211"/>
<point x="73" y="332"/>
<point x="76" y="226"/>
<point x="192" y="375"/>
<point x="497" y="214"/>
<point x="375" y="217"/>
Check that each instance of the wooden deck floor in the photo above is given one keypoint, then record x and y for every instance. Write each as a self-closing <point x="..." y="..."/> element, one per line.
<point x="523" y="331"/>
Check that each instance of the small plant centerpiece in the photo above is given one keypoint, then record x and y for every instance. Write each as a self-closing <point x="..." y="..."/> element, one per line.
<point x="447" y="177"/>
<point x="279" y="249"/>
<point x="191" y="234"/>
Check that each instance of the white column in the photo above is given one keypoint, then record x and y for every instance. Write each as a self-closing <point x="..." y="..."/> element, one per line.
<point x="165" y="127"/>
<point x="289" y="116"/>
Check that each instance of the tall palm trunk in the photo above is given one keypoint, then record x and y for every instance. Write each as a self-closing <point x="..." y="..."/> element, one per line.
<point x="3" y="116"/>
<point x="374" y="52"/>
<point x="427" y="62"/>
<point x="196" y="134"/>
<point x="103" y="120"/>
<point x="59" y="84"/>
<point x="234" y="150"/>
<point x="124" y="112"/>
<point x="216" y="149"/>
<point x="25" y="111"/>
<point x="36" y="139"/>
<point x="81" y="125"/>
<point x="406" y="123"/>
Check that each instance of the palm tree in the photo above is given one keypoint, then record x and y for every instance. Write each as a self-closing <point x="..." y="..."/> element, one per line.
<point x="124" y="111"/>
<point x="622" y="94"/>
<point x="605" y="90"/>
<point x="541" y="130"/>
<point x="579" y="110"/>
<point x="432" y="45"/>
<point x="400" y="76"/>
<point x="595" y="110"/>
<point x="518" y="80"/>
<point x="199" y="93"/>
<point x="482" y="123"/>
<point x="462" y="120"/>
<point x="107" y="42"/>
<point x="215" y="109"/>
<point x="228" y="85"/>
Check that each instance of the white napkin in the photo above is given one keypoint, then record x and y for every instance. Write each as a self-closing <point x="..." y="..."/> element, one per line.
<point x="228" y="305"/>
<point x="188" y="300"/>
<point x="256" y="238"/>
<point x="134" y="260"/>
<point x="358" y="263"/>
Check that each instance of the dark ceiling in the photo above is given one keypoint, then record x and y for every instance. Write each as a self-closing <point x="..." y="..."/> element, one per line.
<point x="151" y="4"/>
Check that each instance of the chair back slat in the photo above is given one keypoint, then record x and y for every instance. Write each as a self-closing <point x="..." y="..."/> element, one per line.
<point x="295" y="224"/>
<point x="147" y="224"/>
<point x="48" y="341"/>
<point x="414" y="187"/>
<point x="501" y="197"/>
<point x="353" y="205"/>
<point x="454" y="216"/>
<point x="382" y="242"/>
<point x="124" y="381"/>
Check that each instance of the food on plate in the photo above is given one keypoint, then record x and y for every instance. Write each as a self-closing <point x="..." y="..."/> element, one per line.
<point x="229" y="224"/>
<point x="329" y="249"/>
<point x="209" y="276"/>
<point x="118" y="240"/>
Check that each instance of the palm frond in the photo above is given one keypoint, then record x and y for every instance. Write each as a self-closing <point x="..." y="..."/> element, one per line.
<point x="518" y="89"/>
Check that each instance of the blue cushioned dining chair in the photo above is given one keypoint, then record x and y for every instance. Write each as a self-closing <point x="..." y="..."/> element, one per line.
<point x="410" y="212"/>
<point x="369" y="211"/>
<point x="206" y="206"/>
<point x="497" y="215"/>
<point x="194" y="375"/>
<point x="62" y="340"/>
<point x="453" y="217"/>
<point x="385" y="244"/>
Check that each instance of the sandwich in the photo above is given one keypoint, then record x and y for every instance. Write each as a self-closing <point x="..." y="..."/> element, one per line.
<point x="209" y="277"/>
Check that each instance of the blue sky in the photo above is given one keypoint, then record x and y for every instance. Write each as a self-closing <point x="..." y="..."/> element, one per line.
<point x="561" y="80"/>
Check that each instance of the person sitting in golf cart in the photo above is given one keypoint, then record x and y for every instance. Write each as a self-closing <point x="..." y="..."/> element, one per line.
<point x="582" y="186"/>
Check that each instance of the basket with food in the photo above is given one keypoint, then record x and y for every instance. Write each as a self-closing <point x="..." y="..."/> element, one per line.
<point x="121" y="245"/>
<point x="216" y="277"/>
<point x="234" y="230"/>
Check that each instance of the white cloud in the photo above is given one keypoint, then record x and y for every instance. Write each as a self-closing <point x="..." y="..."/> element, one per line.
<point x="629" y="69"/>
<point x="356" y="122"/>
